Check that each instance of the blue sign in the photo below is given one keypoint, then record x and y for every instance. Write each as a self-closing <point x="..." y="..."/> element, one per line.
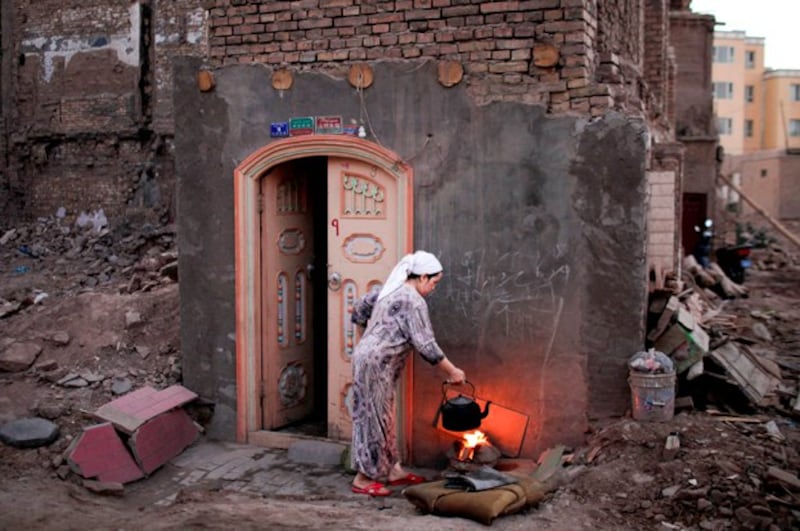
<point x="279" y="129"/>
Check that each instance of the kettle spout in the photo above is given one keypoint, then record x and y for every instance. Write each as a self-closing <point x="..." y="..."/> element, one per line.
<point x="486" y="409"/>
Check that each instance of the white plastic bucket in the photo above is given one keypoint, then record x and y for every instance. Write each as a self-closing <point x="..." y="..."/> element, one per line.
<point x="652" y="396"/>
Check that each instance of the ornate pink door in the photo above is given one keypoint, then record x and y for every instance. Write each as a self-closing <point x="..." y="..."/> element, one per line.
<point x="367" y="231"/>
<point x="287" y="250"/>
<point x="367" y="216"/>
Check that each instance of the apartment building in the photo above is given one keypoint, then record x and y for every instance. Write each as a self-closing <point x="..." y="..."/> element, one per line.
<point x="758" y="121"/>
<point x="737" y="70"/>
<point x="781" y="109"/>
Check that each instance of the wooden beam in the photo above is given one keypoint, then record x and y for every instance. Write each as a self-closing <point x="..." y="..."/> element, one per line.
<point x="774" y="222"/>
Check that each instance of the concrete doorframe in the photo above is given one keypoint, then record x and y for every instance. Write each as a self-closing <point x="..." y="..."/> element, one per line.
<point x="246" y="179"/>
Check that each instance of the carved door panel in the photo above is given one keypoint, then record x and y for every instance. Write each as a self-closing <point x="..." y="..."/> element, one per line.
<point x="365" y="229"/>
<point x="287" y="250"/>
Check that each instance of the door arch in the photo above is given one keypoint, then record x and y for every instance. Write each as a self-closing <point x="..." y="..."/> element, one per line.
<point x="247" y="218"/>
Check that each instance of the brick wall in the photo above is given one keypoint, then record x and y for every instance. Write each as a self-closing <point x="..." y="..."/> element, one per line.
<point x="102" y="68"/>
<point x="499" y="44"/>
<point x="180" y="27"/>
<point x="656" y="57"/>
<point x="661" y="220"/>
<point x="87" y="101"/>
<point x="691" y="37"/>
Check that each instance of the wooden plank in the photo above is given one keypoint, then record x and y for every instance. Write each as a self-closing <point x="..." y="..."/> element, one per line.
<point x="748" y="375"/>
<point x="664" y="320"/>
<point x="775" y="223"/>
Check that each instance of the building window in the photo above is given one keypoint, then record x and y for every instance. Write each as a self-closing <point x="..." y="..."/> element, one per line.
<point x="723" y="90"/>
<point x="748" y="128"/>
<point x="749" y="92"/>
<point x="794" y="127"/>
<point x="794" y="91"/>
<point x="749" y="59"/>
<point x="763" y="172"/>
<point x="725" y="126"/>
<point x="723" y="54"/>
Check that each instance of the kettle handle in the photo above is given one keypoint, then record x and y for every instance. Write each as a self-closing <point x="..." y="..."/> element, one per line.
<point x="446" y="383"/>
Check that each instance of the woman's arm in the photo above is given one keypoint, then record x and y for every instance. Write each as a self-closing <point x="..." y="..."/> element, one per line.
<point x="454" y="374"/>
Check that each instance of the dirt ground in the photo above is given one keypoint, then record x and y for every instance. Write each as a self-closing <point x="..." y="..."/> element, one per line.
<point x="103" y="306"/>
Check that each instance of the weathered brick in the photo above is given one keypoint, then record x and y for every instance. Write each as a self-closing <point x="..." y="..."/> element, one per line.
<point x="495" y="7"/>
<point x="315" y="23"/>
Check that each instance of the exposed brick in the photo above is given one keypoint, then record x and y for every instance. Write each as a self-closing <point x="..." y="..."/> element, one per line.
<point x="423" y="14"/>
<point x="460" y="11"/>
<point x="495" y="7"/>
<point x="511" y="66"/>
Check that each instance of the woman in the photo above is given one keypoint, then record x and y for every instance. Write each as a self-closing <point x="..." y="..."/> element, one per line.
<point x="396" y="320"/>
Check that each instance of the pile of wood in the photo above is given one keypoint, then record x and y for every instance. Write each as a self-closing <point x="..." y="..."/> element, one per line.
<point x="707" y="344"/>
<point x="711" y="280"/>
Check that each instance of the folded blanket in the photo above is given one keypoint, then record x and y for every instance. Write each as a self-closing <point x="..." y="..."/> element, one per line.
<point x="482" y="506"/>
<point x="483" y="478"/>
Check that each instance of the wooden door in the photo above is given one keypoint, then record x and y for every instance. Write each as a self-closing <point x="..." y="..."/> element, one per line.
<point x="694" y="213"/>
<point x="287" y="252"/>
<point x="366" y="233"/>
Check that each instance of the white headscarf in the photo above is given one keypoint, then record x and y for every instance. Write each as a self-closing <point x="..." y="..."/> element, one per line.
<point x="419" y="263"/>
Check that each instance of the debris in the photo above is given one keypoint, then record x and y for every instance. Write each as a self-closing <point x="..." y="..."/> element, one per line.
<point x="161" y="438"/>
<point x="121" y="386"/>
<point x="756" y="382"/>
<point x="60" y="337"/>
<point x="99" y="453"/>
<point x="669" y="492"/>
<point x="651" y="361"/>
<point x="774" y="431"/>
<point x="784" y="477"/>
<point x="18" y="357"/>
<point x="104" y="487"/>
<point x="549" y="462"/>
<point x="29" y="432"/>
<point x="132" y="318"/>
<point x="134" y="409"/>
<point x="9" y="308"/>
<point x="671" y="446"/>
<point x="7" y="236"/>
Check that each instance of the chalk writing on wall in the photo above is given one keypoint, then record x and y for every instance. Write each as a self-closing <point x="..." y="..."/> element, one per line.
<point x="513" y="294"/>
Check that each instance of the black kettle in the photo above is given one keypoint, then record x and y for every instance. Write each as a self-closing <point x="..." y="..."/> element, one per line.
<point x="461" y="413"/>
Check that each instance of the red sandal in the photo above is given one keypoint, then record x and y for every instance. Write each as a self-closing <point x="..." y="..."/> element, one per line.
<point x="409" y="479"/>
<point x="373" y="489"/>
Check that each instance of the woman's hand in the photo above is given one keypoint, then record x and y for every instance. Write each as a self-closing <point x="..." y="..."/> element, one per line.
<point x="456" y="376"/>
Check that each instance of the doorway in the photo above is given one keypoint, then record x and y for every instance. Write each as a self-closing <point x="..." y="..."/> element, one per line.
<point x="319" y="221"/>
<point x="694" y="213"/>
<point x="294" y="303"/>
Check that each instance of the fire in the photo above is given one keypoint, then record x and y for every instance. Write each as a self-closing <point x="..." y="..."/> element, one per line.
<point x="473" y="439"/>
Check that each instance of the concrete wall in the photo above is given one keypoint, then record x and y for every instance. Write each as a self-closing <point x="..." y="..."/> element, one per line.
<point x="771" y="179"/>
<point x="539" y="221"/>
<point x="790" y="187"/>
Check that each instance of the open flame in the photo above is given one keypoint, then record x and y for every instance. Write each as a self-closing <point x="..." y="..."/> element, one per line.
<point x="473" y="439"/>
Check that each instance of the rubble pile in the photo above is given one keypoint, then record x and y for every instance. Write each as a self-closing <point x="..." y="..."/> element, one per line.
<point x="696" y="472"/>
<point x="88" y="313"/>
<point x="83" y="255"/>
<point x="737" y="404"/>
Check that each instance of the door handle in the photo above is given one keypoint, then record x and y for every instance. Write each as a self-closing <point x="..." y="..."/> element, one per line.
<point x="334" y="281"/>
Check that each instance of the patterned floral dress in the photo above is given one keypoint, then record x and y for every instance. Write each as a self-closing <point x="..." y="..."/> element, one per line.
<point x="395" y="324"/>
